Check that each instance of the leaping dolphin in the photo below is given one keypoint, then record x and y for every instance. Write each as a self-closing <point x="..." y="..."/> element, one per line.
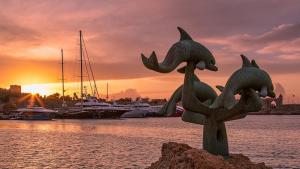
<point x="250" y="76"/>
<point x="186" y="49"/>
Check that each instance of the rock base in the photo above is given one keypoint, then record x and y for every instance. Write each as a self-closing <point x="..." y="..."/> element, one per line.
<point x="182" y="156"/>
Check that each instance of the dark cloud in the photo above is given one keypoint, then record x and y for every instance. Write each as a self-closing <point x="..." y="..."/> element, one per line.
<point x="283" y="32"/>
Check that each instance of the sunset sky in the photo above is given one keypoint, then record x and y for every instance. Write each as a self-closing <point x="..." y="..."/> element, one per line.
<point x="32" y="32"/>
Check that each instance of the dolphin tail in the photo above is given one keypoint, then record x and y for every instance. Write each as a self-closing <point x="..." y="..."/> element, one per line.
<point x="151" y="62"/>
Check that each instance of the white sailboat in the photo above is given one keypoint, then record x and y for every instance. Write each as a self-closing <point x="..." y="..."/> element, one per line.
<point x="90" y="104"/>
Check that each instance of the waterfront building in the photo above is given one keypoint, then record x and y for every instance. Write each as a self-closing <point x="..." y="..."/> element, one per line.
<point x="15" y="89"/>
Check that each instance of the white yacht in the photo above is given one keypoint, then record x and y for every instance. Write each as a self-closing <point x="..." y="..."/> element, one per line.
<point x="96" y="109"/>
<point x="92" y="101"/>
<point x="142" y="109"/>
<point x="141" y="105"/>
<point x="35" y="113"/>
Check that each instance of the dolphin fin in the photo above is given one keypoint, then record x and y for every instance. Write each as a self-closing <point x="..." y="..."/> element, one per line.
<point x="220" y="88"/>
<point x="246" y="62"/>
<point x="183" y="34"/>
<point x="254" y="64"/>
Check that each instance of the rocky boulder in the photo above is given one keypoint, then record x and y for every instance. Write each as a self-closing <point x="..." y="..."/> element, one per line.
<point x="182" y="156"/>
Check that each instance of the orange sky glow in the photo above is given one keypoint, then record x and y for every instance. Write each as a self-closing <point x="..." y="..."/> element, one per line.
<point x="117" y="32"/>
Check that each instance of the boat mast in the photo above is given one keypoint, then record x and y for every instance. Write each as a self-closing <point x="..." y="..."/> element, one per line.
<point x="107" y="91"/>
<point x="81" y="71"/>
<point x="62" y="78"/>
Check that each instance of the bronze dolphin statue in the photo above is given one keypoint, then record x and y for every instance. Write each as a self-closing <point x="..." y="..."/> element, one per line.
<point x="186" y="49"/>
<point x="250" y="76"/>
<point x="203" y="92"/>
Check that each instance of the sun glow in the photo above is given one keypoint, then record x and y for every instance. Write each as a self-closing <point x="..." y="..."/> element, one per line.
<point x="41" y="89"/>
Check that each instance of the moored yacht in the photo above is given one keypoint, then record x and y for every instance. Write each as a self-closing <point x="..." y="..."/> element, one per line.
<point x="91" y="102"/>
<point x="35" y="113"/>
<point x="90" y="107"/>
<point x="139" y="105"/>
<point x="142" y="109"/>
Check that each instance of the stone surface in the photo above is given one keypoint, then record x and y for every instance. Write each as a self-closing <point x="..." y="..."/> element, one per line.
<point x="182" y="156"/>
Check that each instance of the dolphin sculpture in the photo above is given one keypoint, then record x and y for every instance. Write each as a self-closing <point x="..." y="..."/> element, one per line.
<point x="184" y="50"/>
<point x="203" y="92"/>
<point x="250" y="76"/>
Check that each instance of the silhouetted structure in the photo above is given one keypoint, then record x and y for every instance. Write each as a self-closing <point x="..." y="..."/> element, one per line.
<point x="15" y="89"/>
<point x="200" y="101"/>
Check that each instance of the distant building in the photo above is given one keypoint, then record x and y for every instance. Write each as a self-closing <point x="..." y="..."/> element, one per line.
<point x="15" y="89"/>
<point x="3" y="91"/>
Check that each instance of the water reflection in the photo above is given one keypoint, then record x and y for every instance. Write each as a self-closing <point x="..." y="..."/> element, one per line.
<point x="135" y="143"/>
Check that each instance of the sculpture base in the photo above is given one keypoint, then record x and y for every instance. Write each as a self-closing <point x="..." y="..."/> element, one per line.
<point x="182" y="156"/>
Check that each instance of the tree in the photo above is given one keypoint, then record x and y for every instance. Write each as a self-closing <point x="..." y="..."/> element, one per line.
<point x="75" y="97"/>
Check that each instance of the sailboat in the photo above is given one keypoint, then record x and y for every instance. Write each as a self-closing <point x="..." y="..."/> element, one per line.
<point x="89" y="106"/>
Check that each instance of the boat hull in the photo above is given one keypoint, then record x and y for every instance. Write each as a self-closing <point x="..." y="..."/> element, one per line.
<point x="37" y="117"/>
<point x="91" y="114"/>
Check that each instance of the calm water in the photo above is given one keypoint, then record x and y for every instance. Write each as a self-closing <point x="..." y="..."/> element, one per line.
<point x="135" y="143"/>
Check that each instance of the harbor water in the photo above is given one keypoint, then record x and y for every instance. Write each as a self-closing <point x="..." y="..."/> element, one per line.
<point x="136" y="143"/>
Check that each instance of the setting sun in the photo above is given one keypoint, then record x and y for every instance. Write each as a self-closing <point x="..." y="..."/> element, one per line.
<point x="41" y="89"/>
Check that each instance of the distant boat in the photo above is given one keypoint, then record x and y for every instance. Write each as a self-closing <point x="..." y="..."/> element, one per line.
<point x="152" y="110"/>
<point x="142" y="109"/>
<point x="96" y="109"/>
<point x="35" y="113"/>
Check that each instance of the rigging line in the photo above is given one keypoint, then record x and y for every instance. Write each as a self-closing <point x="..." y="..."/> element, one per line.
<point x="88" y="74"/>
<point x="95" y="86"/>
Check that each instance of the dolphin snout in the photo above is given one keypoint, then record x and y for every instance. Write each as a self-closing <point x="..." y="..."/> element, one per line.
<point x="202" y="65"/>
<point x="212" y="67"/>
